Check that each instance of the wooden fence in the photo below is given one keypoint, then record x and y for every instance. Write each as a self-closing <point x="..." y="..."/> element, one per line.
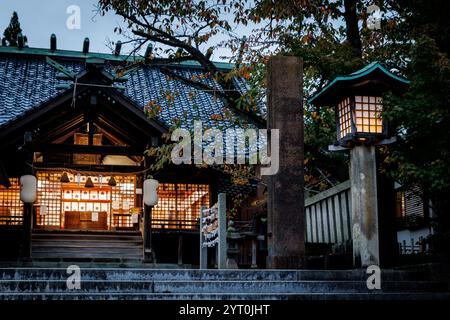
<point x="328" y="215"/>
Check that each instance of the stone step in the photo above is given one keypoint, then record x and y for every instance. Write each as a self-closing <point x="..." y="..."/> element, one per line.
<point x="79" y="253"/>
<point x="140" y="273"/>
<point x="279" y="287"/>
<point x="85" y="236"/>
<point x="86" y="245"/>
<point x="34" y="283"/>
<point x="375" y="296"/>
<point x="96" y="245"/>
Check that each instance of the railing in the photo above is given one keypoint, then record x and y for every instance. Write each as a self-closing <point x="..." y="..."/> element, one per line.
<point x="176" y="224"/>
<point x="328" y="215"/>
<point x="11" y="220"/>
<point x="245" y="228"/>
<point x="411" y="221"/>
<point x="412" y="248"/>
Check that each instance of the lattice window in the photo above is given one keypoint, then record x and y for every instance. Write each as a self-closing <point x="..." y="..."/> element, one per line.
<point x="11" y="208"/>
<point x="368" y="114"/>
<point x="77" y="198"/>
<point x="48" y="207"/>
<point x="123" y="200"/>
<point x="345" y="121"/>
<point x="179" y="205"/>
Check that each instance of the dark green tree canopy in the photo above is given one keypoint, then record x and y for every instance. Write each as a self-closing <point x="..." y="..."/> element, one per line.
<point x="12" y="31"/>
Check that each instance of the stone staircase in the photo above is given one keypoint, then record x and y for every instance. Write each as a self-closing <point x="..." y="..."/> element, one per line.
<point x="32" y="283"/>
<point x="86" y="246"/>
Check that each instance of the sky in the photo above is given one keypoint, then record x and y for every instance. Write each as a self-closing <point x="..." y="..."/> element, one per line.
<point x="40" y="18"/>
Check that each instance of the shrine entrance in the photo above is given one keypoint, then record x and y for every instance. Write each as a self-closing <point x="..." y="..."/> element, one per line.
<point x="86" y="202"/>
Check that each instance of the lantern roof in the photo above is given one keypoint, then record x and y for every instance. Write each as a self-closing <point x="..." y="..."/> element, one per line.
<point x="372" y="79"/>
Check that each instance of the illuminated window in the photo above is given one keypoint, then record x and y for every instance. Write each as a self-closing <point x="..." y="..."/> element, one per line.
<point x="368" y="114"/>
<point x="11" y="208"/>
<point x="123" y="198"/>
<point x="345" y="121"/>
<point x="54" y="199"/>
<point x="48" y="209"/>
<point x="179" y="205"/>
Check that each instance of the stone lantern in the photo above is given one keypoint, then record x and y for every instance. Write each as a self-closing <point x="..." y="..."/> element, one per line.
<point x="358" y="102"/>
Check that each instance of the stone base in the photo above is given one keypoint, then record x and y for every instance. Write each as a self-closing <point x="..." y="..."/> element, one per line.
<point x="286" y="262"/>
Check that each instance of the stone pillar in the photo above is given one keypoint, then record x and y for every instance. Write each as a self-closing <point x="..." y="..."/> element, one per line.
<point x="222" y="232"/>
<point x="363" y="177"/>
<point x="286" y="218"/>
<point x="203" y="251"/>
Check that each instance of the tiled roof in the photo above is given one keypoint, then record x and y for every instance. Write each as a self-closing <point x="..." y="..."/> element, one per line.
<point x="26" y="81"/>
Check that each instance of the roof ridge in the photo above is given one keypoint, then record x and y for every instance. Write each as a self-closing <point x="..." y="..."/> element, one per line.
<point x="73" y="54"/>
<point x="358" y="74"/>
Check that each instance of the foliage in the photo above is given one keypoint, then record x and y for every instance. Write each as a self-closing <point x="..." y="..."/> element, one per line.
<point x="12" y="31"/>
<point x="184" y="30"/>
<point x="422" y="122"/>
<point x="421" y="117"/>
<point x="333" y="38"/>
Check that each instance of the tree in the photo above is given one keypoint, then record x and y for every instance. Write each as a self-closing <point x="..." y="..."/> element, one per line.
<point x="332" y="37"/>
<point x="324" y="33"/>
<point x="12" y="31"/>
<point x="185" y="28"/>
<point x="421" y="118"/>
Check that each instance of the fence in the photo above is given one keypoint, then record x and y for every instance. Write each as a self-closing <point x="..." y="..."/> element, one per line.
<point x="328" y="215"/>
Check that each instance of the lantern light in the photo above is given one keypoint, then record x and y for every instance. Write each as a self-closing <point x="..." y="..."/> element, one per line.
<point x="28" y="186"/>
<point x="89" y="183"/>
<point x="358" y="103"/>
<point x="360" y="117"/>
<point x="150" y="192"/>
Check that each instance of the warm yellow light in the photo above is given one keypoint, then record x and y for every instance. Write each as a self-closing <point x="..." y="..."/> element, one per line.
<point x="368" y="114"/>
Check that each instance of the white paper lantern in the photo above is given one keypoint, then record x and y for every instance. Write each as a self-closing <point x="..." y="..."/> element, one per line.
<point x="28" y="186"/>
<point x="150" y="192"/>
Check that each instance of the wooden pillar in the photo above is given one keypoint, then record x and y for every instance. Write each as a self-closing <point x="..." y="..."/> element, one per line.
<point x="139" y="196"/>
<point x="254" y="252"/>
<point x="27" y="207"/>
<point x="27" y="229"/>
<point x="180" y="249"/>
<point x="149" y="255"/>
<point x="286" y="222"/>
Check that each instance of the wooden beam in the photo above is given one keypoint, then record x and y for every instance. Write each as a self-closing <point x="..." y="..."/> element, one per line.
<point x="89" y="167"/>
<point x="73" y="148"/>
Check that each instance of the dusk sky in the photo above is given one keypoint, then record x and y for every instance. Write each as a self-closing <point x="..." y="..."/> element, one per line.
<point x="39" y="19"/>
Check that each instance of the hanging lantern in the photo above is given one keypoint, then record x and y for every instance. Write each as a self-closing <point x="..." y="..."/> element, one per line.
<point x="150" y="192"/>
<point x="89" y="183"/>
<point x="112" y="182"/>
<point x="28" y="186"/>
<point x="65" y="178"/>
